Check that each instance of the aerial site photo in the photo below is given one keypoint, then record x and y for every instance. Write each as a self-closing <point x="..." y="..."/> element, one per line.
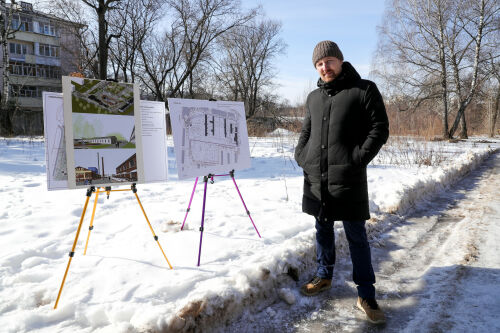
<point x="103" y="97"/>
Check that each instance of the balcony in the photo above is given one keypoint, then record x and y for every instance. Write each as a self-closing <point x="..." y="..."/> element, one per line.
<point x="34" y="81"/>
<point x="31" y="103"/>
<point x="29" y="36"/>
<point x="42" y="60"/>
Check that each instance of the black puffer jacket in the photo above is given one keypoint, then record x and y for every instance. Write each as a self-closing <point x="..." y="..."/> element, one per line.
<point x="344" y="128"/>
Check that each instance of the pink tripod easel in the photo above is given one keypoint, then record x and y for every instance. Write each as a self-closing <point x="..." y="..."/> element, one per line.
<point x="205" y="179"/>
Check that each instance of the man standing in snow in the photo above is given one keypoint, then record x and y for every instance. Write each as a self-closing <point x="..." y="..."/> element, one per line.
<point x="344" y="128"/>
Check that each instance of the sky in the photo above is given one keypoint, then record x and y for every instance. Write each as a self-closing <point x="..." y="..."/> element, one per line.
<point x="351" y="24"/>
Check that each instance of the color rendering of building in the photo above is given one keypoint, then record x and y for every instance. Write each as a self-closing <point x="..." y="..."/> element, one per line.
<point x="128" y="169"/>
<point x="83" y="174"/>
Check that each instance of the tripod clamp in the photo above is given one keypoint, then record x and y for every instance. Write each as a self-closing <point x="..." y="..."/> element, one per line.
<point x="209" y="176"/>
<point x="90" y="190"/>
<point x="108" y="190"/>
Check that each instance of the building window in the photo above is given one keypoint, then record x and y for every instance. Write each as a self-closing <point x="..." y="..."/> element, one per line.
<point x="23" y="91"/>
<point x="16" y="68"/>
<point x="22" y="68"/>
<point x="46" y="71"/>
<point x="48" y="50"/>
<point x="43" y="71"/>
<point x="29" y="70"/>
<point x="22" y="22"/>
<point x="30" y="91"/>
<point x="47" y="28"/>
<point x="16" y="48"/>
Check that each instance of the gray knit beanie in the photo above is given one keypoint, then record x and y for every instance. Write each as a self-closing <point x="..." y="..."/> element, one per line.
<point x="326" y="48"/>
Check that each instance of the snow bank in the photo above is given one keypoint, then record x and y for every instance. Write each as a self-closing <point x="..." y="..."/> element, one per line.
<point x="282" y="132"/>
<point x="448" y="175"/>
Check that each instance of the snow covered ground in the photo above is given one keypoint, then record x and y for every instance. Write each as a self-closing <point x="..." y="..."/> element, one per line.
<point x="124" y="284"/>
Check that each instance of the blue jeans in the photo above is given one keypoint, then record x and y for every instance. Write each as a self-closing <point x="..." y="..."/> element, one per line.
<point x="362" y="270"/>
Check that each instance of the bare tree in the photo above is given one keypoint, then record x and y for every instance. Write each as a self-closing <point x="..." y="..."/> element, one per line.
<point x="472" y="22"/>
<point x="202" y="22"/>
<point x="412" y="43"/>
<point x="103" y="8"/>
<point x="495" y="71"/>
<point x="173" y="61"/>
<point x="140" y="18"/>
<point x="83" y="30"/>
<point x="159" y="57"/>
<point x="7" y="31"/>
<point x="438" y="41"/>
<point x="246" y="67"/>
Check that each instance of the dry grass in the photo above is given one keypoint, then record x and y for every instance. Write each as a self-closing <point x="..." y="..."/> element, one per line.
<point x="413" y="151"/>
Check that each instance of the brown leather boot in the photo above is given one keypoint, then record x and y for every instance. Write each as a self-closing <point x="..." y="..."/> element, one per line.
<point x="315" y="286"/>
<point x="373" y="312"/>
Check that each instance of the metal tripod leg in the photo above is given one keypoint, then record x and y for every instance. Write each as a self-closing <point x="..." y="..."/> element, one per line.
<point x="72" y="253"/>
<point x="134" y="189"/>
<point x="205" y="179"/>
<point x="91" y="226"/>
<point x="190" y="200"/>
<point x="243" y="201"/>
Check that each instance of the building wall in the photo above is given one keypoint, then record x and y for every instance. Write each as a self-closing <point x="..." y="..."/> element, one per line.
<point x="38" y="61"/>
<point x="128" y="169"/>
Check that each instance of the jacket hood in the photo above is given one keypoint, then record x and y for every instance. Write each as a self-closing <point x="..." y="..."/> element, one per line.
<point x="347" y="77"/>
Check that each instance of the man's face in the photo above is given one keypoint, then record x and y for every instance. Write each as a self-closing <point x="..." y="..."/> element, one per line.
<point x="329" y="68"/>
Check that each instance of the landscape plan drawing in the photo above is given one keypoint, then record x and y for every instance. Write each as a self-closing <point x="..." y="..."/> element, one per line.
<point x="209" y="136"/>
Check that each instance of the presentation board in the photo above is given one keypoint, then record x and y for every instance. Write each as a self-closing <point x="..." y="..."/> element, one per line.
<point x="102" y="130"/>
<point x="153" y="146"/>
<point x="55" y="143"/>
<point x="209" y="136"/>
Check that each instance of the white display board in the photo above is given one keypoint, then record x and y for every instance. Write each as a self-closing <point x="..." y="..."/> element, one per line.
<point x="153" y="135"/>
<point x="55" y="143"/>
<point x="154" y="141"/>
<point x="210" y="137"/>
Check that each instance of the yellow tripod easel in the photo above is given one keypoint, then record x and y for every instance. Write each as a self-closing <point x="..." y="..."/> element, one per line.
<point x="90" y="190"/>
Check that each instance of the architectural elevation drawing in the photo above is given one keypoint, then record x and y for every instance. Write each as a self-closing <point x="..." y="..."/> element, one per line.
<point x="55" y="150"/>
<point x="209" y="137"/>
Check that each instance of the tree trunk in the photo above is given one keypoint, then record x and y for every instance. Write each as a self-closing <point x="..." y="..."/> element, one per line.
<point x="465" y="102"/>
<point x="103" y="47"/>
<point x="4" y="35"/>
<point x="494" y="114"/>
<point x="445" y="113"/>
<point x="463" y="130"/>
<point x="5" y="73"/>
<point x="444" y="82"/>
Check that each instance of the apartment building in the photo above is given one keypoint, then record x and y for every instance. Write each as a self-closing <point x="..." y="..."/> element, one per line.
<point x="43" y="49"/>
